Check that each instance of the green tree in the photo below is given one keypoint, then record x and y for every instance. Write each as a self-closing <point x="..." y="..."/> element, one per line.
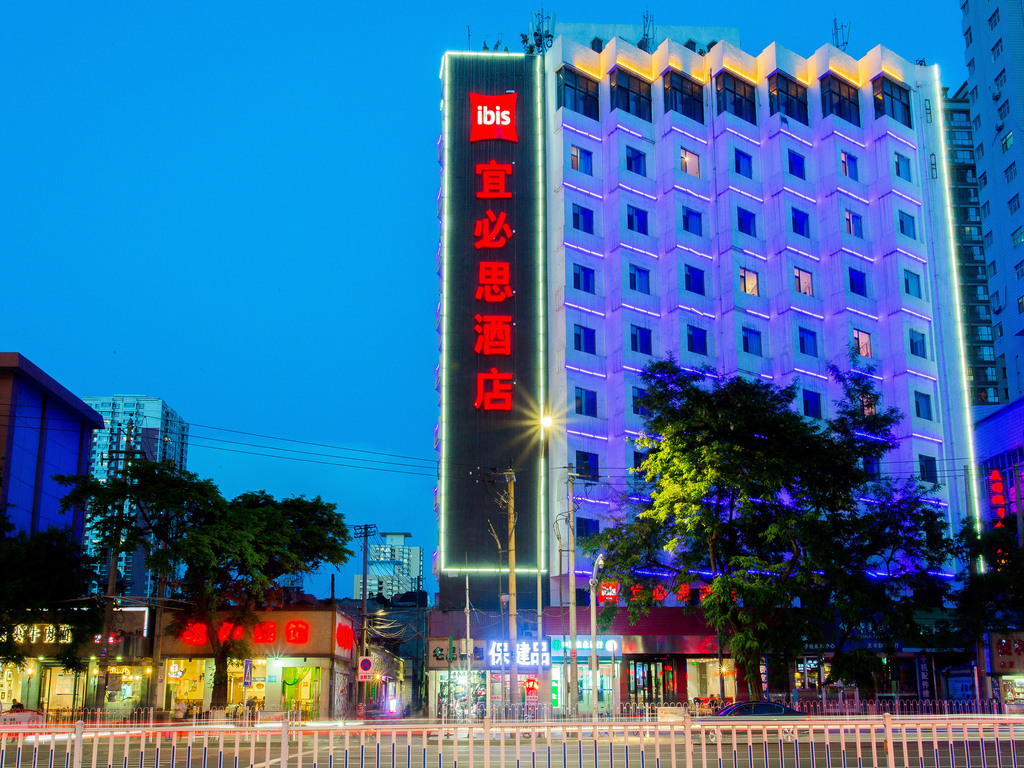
<point x="45" y="575"/>
<point x="989" y="594"/>
<point x="222" y="558"/>
<point x="766" y="507"/>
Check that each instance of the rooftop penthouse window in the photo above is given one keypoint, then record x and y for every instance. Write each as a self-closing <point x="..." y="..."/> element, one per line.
<point x="839" y="98"/>
<point x="684" y="96"/>
<point x="787" y="96"/>
<point x="736" y="97"/>
<point x="893" y="100"/>
<point x="631" y="94"/>
<point x="578" y="93"/>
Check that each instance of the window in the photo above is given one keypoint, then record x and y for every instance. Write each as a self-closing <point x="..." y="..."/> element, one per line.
<point x="812" y="404"/>
<point x="974" y="94"/>
<point x="743" y="164"/>
<point x="636" y="219"/>
<point x="696" y="340"/>
<point x="751" y="341"/>
<point x="577" y="93"/>
<point x="929" y="468"/>
<point x="1001" y="79"/>
<point x="970" y="67"/>
<point x="964" y="8"/>
<point x="582" y="219"/>
<point x="986" y="209"/>
<point x="993" y="19"/>
<point x="692" y="221"/>
<point x="923" y="405"/>
<point x="1004" y="109"/>
<point x="912" y="283"/>
<point x="1018" y="237"/>
<point x="582" y="160"/>
<point x="746" y="222"/>
<point x="997" y="49"/>
<point x="988" y="239"/>
<point x="787" y="96"/>
<point x="583" y="279"/>
<point x="907" y="226"/>
<point x="639" y="279"/>
<point x="693" y="280"/>
<point x="630" y="94"/>
<point x="748" y="281"/>
<point x="689" y="162"/>
<point x="584" y="339"/>
<point x="849" y="165"/>
<point x="586" y="526"/>
<point x="587" y="464"/>
<point x="736" y="97"/>
<point x="638" y="396"/>
<point x="903" y="167"/>
<point x="983" y="180"/>
<point x="797" y="165"/>
<point x="808" y="342"/>
<point x="968" y="37"/>
<point x="1010" y="172"/>
<point x="862" y="342"/>
<point x="801" y="223"/>
<point x="854" y="224"/>
<point x="839" y="98"/>
<point x="636" y="161"/>
<point x="980" y="150"/>
<point x="917" y="344"/>
<point x="893" y="100"/>
<point x="1007" y="141"/>
<point x="976" y="123"/>
<point x="858" y="282"/>
<point x="684" y="96"/>
<point x="872" y="467"/>
<point x="586" y="402"/>
<point x="640" y="339"/>
<point x="638" y="459"/>
<point x="803" y="282"/>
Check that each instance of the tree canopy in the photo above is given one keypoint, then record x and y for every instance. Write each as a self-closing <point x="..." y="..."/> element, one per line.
<point x="220" y="558"/>
<point x="781" y="517"/>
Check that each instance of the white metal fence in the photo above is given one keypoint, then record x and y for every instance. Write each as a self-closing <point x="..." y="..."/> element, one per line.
<point x="861" y="742"/>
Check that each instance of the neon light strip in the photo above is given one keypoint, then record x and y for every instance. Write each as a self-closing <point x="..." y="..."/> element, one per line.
<point x="806" y="312"/>
<point x="847" y="192"/>
<point x="638" y="250"/>
<point x="695" y="311"/>
<point x="694" y="252"/>
<point x="922" y="375"/>
<point x="850" y="139"/>
<point x="799" y="194"/>
<point x="582" y="249"/>
<point x="755" y="314"/>
<point x="794" y="136"/>
<point x="583" y="309"/>
<point x="691" y="192"/>
<point x="755" y="255"/>
<point x="632" y="369"/>
<point x="588" y="500"/>
<point x="802" y="253"/>
<point x="585" y="371"/>
<point x="737" y="133"/>
<point x="574" y="129"/>
<point x="637" y="192"/>
<point x="542" y="355"/>
<point x="630" y="131"/>
<point x="862" y="314"/>
<point x="973" y="484"/>
<point x="586" y="434"/>
<point x="752" y="197"/>
<point x="705" y="374"/>
<point x="767" y="376"/>
<point x="642" y="311"/>
<point x="688" y="134"/>
<point x="445" y="316"/>
<point x="913" y="256"/>
<point x="915" y="314"/>
<point x="811" y="373"/>
<point x="866" y="374"/>
<point x="908" y="198"/>
<point x="898" y="138"/>
<point x="581" y="190"/>
<point x="852" y="252"/>
<point x="633" y="433"/>
<point x="926" y="437"/>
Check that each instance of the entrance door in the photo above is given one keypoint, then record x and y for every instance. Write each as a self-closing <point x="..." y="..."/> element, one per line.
<point x="652" y="681"/>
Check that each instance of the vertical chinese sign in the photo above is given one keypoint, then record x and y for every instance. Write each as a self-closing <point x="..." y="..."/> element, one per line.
<point x="492" y="317"/>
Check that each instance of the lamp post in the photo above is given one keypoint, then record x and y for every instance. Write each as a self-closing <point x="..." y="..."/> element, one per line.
<point x="598" y="567"/>
<point x="545" y="425"/>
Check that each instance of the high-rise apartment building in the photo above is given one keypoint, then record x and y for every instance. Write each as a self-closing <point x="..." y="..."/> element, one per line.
<point x="393" y="567"/>
<point x="986" y="381"/>
<point x="608" y="203"/>
<point x="994" y="39"/>
<point x="134" y="426"/>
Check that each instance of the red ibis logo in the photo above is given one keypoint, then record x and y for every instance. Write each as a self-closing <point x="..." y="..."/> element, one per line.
<point x="493" y="117"/>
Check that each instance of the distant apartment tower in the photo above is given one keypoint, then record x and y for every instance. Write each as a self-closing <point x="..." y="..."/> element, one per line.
<point x="393" y="567"/>
<point x="983" y="375"/>
<point x="994" y="40"/>
<point x="145" y="427"/>
<point x="44" y="431"/>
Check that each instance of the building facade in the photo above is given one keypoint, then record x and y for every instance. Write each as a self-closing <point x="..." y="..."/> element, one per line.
<point x="133" y="426"/>
<point x="994" y="52"/>
<point x="393" y="567"/>
<point x="45" y="430"/>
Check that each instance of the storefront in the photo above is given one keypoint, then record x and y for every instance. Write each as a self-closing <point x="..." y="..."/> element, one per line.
<point x="609" y="658"/>
<point x="1006" y="656"/>
<point x="42" y="682"/>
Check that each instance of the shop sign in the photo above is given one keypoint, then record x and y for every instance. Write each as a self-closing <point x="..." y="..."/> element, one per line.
<point x="527" y="654"/>
<point x="1007" y="653"/>
<point x="52" y="634"/>
<point x="294" y="632"/>
<point x="611" y="646"/>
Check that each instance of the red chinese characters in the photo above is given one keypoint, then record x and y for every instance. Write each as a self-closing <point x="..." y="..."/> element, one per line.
<point x="296" y="632"/>
<point x="194" y="634"/>
<point x="265" y="632"/>
<point x="227" y="631"/>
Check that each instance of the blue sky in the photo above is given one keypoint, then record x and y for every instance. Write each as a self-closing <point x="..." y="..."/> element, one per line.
<point x="232" y="206"/>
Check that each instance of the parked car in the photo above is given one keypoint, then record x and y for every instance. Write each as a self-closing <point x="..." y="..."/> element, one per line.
<point x="760" y="710"/>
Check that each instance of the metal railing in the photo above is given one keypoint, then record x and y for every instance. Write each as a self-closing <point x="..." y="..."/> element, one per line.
<point x="866" y="741"/>
<point x="896" y="706"/>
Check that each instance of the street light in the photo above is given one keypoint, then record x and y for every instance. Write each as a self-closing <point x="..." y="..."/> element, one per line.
<point x="598" y="567"/>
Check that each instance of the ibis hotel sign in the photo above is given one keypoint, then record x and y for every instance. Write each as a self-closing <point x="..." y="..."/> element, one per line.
<point x="491" y="317"/>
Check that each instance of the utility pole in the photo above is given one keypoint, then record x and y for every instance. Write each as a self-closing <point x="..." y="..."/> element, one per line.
<point x="468" y="644"/>
<point x="573" y="692"/>
<point x="513" y="630"/>
<point x="365" y="531"/>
